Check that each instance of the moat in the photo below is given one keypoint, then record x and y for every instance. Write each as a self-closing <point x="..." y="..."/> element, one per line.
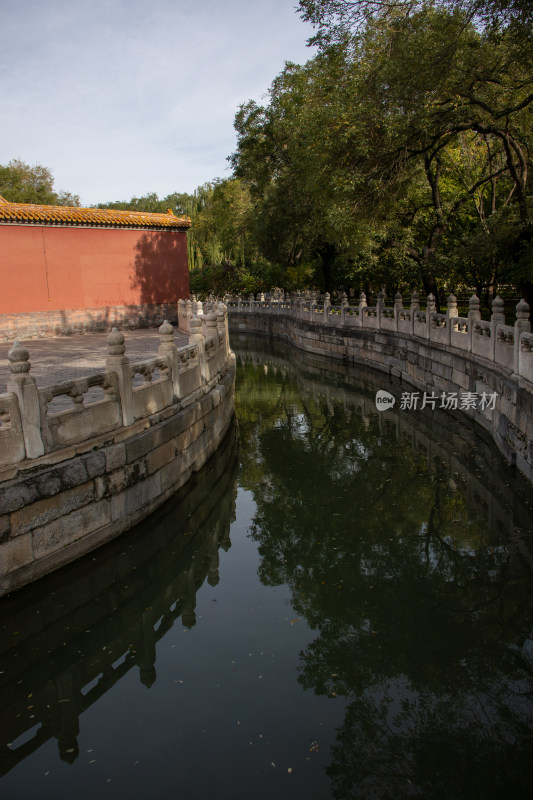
<point x="339" y="605"/>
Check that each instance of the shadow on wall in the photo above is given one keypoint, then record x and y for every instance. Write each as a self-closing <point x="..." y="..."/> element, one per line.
<point x="161" y="270"/>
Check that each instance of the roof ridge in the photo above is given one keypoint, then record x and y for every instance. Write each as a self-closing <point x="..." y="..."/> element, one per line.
<point x="40" y="213"/>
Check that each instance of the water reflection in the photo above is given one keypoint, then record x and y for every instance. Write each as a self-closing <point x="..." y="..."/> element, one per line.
<point x="72" y="636"/>
<point x="407" y="544"/>
<point x="403" y="668"/>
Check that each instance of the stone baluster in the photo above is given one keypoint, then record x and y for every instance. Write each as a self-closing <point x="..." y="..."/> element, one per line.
<point x="497" y="318"/>
<point x="414" y="308"/>
<point x="451" y="314"/>
<point x="473" y="309"/>
<point x="344" y="300"/>
<point x="120" y="363"/>
<point x="431" y="308"/>
<point x="189" y="314"/>
<point x="451" y="307"/>
<point x="380" y="305"/>
<point x="362" y="305"/>
<point x="167" y="349"/>
<point x="197" y="337"/>
<point x="23" y="385"/>
<point x="181" y="315"/>
<point x="222" y="326"/>
<point x="522" y="325"/>
<point x="398" y="304"/>
<point x="251" y="300"/>
<point x="211" y="325"/>
<point x="327" y="306"/>
<point x="474" y="314"/>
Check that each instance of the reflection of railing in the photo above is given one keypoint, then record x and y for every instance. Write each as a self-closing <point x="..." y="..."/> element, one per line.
<point x="123" y="608"/>
<point x="104" y="402"/>
<point x="505" y="345"/>
<point x="455" y="449"/>
<point x="432" y="352"/>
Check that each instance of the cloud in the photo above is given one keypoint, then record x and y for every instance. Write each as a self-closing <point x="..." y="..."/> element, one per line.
<point x="120" y="97"/>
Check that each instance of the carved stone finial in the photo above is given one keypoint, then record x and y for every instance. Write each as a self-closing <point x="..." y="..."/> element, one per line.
<point x="115" y="343"/>
<point x="196" y="325"/>
<point x="522" y="310"/>
<point x="19" y="359"/>
<point x="473" y="303"/>
<point x="211" y="320"/>
<point x="497" y="305"/>
<point x="166" y="329"/>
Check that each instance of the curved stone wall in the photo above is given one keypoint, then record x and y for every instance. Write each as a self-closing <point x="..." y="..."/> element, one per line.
<point x="421" y="356"/>
<point x="82" y="476"/>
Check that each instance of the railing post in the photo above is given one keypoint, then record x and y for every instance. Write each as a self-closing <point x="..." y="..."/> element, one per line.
<point x="197" y="337"/>
<point x="380" y="303"/>
<point x="497" y="318"/>
<point x="23" y="385"/>
<point x="182" y="320"/>
<point x="398" y="308"/>
<point x="414" y="307"/>
<point x="119" y="363"/>
<point x="474" y="314"/>
<point x="327" y="306"/>
<point x="222" y="325"/>
<point x="522" y="325"/>
<point x="188" y="311"/>
<point x="362" y="306"/>
<point x="167" y="349"/>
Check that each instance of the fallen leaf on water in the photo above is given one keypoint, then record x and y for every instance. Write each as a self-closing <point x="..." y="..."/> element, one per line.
<point x="297" y="619"/>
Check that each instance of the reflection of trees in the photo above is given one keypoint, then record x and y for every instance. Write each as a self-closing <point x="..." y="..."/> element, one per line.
<point x="400" y="549"/>
<point x="69" y="638"/>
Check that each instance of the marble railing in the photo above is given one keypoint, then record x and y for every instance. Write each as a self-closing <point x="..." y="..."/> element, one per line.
<point x="508" y="346"/>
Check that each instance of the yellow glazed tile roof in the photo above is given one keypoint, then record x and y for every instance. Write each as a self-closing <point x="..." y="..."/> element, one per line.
<point x="102" y="217"/>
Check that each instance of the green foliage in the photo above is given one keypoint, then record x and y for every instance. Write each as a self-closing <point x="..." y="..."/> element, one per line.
<point x="22" y="183"/>
<point x="402" y="145"/>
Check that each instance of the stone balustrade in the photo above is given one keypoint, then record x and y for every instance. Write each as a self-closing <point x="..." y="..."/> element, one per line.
<point x="505" y="345"/>
<point x="28" y="429"/>
<point x="131" y="435"/>
<point x="437" y="354"/>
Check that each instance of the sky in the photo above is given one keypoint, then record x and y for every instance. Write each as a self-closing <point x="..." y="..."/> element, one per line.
<point x="119" y="98"/>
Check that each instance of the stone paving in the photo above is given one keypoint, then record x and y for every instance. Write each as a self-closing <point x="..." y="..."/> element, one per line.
<point x="63" y="358"/>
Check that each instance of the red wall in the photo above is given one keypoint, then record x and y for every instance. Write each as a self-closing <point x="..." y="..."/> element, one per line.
<point x="46" y="268"/>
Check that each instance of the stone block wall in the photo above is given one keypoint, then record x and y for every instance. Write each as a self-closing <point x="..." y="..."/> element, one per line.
<point x="430" y="364"/>
<point x="67" y="496"/>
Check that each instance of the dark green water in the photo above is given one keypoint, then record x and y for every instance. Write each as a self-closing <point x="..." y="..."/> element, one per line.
<point x="340" y="606"/>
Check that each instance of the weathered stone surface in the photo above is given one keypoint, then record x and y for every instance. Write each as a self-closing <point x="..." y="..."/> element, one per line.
<point x="16" y="553"/>
<point x="95" y="463"/>
<point x="4" y="526"/>
<point x="44" y="511"/>
<point x="115" y="456"/>
<point x="161" y="456"/>
<point x="17" y="494"/>
<point x="131" y="500"/>
<point x="69" y="528"/>
<point x="63" y="508"/>
<point x="147" y="441"/>
<point x="48" y="483"/>
<point x="72" y="473"/>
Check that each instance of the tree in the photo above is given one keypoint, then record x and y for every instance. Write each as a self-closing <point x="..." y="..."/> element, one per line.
<point x="22" y="183"/>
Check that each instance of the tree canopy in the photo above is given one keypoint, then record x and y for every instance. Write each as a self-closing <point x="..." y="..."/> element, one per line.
<point x="401" y="152"/>
<point x="22" y="183"/>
